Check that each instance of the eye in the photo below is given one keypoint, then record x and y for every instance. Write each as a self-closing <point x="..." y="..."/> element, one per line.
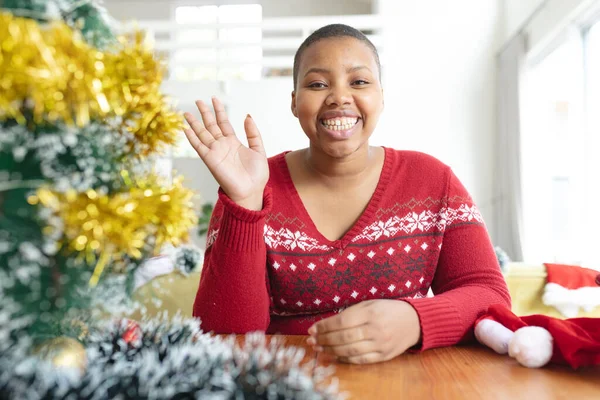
<point x="316" y="85"/>
<point x="360" y="82"/>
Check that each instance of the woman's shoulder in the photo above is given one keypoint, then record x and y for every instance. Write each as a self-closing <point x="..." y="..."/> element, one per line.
<point x="277" y="162"/>
<point x="277" y="157"/>
<point x="415" y="176"/>
<point x="279" y="175"/>
<point x="417" y="160"/>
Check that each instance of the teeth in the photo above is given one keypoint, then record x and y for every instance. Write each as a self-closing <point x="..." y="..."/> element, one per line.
<point x="340" y="124"/>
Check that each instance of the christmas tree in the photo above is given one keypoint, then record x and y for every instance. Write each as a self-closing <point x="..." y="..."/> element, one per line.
<point x="81" y="118"/>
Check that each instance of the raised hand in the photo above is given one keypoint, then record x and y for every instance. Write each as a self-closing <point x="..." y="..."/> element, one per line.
<point x="368" y="332"/>
<point x="242" y="172"/>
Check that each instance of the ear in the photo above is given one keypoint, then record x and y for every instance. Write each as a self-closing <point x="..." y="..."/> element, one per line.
<point x="294" y="104"/>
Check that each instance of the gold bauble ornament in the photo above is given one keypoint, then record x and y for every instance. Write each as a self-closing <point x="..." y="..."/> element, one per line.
<point x="63" y="352"/>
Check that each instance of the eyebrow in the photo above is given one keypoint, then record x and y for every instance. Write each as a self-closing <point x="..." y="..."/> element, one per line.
<point x="327" y="71"/>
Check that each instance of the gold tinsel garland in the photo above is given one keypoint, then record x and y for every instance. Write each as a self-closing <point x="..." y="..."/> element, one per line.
<point x="55" y="73"/>
<point x="113" y="226"/>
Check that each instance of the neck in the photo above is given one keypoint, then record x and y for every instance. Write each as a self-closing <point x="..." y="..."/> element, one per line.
<point x="347" y="169"/>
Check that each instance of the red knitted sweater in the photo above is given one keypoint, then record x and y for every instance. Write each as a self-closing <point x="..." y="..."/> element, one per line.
<point x="272" y="271"/>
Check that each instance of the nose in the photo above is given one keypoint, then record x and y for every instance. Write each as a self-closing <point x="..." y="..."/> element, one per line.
<point x="339" y="95"/>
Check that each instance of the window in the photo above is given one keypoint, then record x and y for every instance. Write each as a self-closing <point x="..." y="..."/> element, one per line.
<point x="211" y="53"/>
<point x="592" y="145"/>
<point x="560" y="153"/>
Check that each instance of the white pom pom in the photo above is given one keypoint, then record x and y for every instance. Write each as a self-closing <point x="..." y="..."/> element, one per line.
<point x="531" y="346"/>
<point x="494" y="335"/>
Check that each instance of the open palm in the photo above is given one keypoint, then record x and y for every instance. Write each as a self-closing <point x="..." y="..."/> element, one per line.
<point x="242" y="172"/>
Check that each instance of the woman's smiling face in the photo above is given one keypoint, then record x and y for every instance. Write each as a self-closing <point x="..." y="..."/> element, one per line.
<point x="338" y="98"/>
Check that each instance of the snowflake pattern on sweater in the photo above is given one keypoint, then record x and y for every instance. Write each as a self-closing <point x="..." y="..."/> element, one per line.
<point x="391" y="258"/>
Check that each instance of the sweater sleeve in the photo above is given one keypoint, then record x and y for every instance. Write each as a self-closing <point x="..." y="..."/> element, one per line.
<point x="233" y="294"/>
<point x="467" y="278"/>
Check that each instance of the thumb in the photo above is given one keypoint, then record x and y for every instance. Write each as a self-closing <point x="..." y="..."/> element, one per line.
<point x="254" y="139"/>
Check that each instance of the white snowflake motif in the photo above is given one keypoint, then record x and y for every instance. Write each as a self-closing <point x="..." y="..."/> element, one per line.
<point x="336" y="299"/>
<point x="292" y="267"/>
<point x="418" y="221"/>
<point x="424" y="246"/>
<point x="268" y="234"/>
<point x="470" y="213"/>
<point x="276" y="265"/>
<point x="317" y="301"/>
<point x="373" y="290"/>
<point x="283" y="301"/>
<point x="311" y="266"/>
<point x="407" y="248"/>
<point x="354" y="294"/>
<point x="332" y="261"/>
<point x="295" y="239"/>
<point x="351" y="256"/>
<point x="371" y="254"/>
<point x="299" y="304"/>
<point x="386" y="229"/>
<point x="408" y="283"/>
<point x="290" y="240"/>
<point x="464" y="213"/>
<point x="442" y="220"/>
<point x="391" y="287"/>
<point x="423" y="221"/>
<point x="390" y="251"/>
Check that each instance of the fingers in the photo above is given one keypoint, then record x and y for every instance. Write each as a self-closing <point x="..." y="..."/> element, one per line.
<point x="196" y="143"/>
<point x="199" y="131"/>
<point x="213" y="128"/>
<point x="344" y="336"/>
<point x="254" y="139"/>
<point x="222" y="119"/>
<point x="352" y="349"/>
<point x="348" y="346"/>
<point x="351" y="317"/>
<point x="210" y="123"/>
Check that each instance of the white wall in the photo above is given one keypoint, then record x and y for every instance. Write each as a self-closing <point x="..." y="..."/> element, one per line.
<point x="162" y="9"/>
<point x="439" y="82"/>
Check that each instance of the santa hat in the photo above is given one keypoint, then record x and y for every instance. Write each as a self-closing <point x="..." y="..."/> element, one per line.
<point x="570" y="288"/>
<point x="576" y="341"/>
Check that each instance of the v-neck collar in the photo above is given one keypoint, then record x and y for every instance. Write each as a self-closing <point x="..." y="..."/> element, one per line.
<point x="365" y="218"/>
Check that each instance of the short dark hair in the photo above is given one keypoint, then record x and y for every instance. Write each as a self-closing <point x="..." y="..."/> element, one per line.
<point x="332" y="31"/>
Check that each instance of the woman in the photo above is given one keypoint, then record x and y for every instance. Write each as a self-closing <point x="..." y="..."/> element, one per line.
<point x="340" y="240"/>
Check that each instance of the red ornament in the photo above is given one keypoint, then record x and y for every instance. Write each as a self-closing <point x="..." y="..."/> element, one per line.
<point x="133" y="333"/>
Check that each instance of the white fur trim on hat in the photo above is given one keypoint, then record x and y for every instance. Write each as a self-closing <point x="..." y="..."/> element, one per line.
<point x="569" y="301"/>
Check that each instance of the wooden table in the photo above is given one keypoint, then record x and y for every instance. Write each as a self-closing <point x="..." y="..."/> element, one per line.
<point x="457" y="373"/>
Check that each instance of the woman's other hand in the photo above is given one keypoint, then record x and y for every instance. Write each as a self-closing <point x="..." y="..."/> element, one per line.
<point x="368" y="332"/>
